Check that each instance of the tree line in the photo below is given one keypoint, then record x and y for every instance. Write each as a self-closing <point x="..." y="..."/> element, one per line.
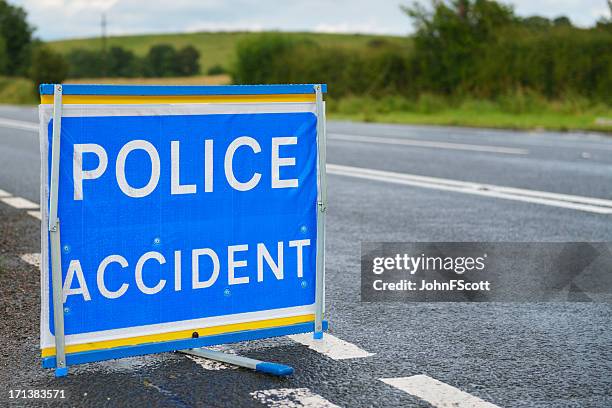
<point x="23" y="55"/>
<point x="477" y="48"/>
<point x="162" y="60"/>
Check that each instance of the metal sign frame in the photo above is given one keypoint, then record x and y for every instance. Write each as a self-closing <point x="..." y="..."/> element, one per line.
<point x="61" y="360"/>
<point x="54" y="230"/>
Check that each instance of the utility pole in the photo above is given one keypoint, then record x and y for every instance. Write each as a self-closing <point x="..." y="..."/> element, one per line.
<point x="104" y="54"/>
<point x="103" y="31"/>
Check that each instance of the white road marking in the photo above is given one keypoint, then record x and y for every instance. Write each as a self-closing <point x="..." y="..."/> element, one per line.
<point x="291" y="398"/>
<point x="330" y="346"/>
<point x="20" y="203"/>
<point x="35" y="214"/>
<point x="589" y="204"/>
<point x="19" y="124"/>
<point x="32" y="259"/>
<point x="427" y="143"/>
<point x="436" y="392"/>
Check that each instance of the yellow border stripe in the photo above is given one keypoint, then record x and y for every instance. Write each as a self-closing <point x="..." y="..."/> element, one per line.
<point x="182" y="335"/>
<point x="135" y="100"/>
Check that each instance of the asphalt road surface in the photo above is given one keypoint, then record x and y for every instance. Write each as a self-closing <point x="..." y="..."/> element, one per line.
<point x="386" y="183"/>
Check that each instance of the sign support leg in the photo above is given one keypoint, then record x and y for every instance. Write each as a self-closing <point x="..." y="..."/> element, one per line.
<point x="240" y="361"/>
<point x="322" y="207"/>
<point x="61" y="369"/>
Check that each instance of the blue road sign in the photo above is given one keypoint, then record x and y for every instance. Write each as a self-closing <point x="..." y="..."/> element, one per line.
<point x="181" y="224"/>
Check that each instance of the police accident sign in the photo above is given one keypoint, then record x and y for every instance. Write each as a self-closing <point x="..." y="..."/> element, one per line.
<point x="186" y="212"/>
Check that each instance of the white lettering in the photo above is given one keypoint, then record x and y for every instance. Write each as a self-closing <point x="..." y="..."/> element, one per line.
<point x="277" y="268"/>
<point x="120" y="168"/>
<point x="278" y="162"/>
<point x="229" y="166"/>
<point x="195" y="266"/>
<point x="208" y="166"/>
<point x="100" y="276"/>
<point x="233" y="264"/>
<point x="78" y="174"/>
<point x="177" y="271"/>
<point x="175" y="171"/>
<point x="299" y="244"/>
<point x="74" y="269"/>
<point x="140" y="264"/>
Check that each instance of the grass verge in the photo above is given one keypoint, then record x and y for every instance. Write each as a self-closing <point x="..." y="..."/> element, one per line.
<point x="17" y="91"/>
<point x="508" y="112"/>
<point x="498" y="120"/>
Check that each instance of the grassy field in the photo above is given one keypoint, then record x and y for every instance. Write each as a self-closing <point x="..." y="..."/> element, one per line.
<point x="215" y="48"/>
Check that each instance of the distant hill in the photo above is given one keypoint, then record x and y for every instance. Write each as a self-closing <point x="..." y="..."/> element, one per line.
<point x="216" y="47"/>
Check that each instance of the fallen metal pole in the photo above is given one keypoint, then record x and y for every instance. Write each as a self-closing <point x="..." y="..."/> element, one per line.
<point x="253" y="364"/>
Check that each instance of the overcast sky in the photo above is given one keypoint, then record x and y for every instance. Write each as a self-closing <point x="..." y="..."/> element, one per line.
<point x="55" y="19"/>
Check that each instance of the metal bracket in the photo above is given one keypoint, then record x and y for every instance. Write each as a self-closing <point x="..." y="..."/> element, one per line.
<point x="240" y="361"/>
<point x="322" y="205"/>
<point x="54" y="230"/>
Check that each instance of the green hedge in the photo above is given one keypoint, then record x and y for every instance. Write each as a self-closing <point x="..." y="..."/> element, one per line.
<point x="476" y="49"/>
<point x="557" y="63"/>
<point x="162" y="60"/>
<point x="277" y="58"/>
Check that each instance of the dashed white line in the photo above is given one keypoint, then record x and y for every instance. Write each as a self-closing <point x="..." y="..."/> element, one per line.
<point x="436" y="392"/>
<point x="427" y="143"/>
<point x="574" y="202"/>
<point x="35" y="214"/>
<point x="291" y="398"/>
<point x="20" y="203"/>
<point x="19" y="124"/>
<point x="33" y="259"/>
<point x="331" y="346"/>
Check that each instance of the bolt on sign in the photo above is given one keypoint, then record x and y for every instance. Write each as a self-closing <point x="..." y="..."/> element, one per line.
<point x="177" y="217"/>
